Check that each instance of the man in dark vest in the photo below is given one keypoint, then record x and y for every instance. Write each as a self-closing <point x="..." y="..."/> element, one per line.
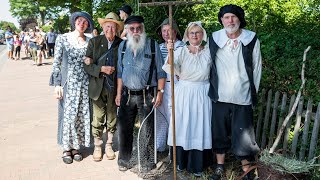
<point x="101" y="63"/>
<point x="234" y="79"/>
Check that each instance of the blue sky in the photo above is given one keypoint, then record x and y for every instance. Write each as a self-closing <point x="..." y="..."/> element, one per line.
<point x="5" y="14"/>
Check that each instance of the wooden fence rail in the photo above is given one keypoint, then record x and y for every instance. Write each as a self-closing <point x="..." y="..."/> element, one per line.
<point x="300" y="138"/>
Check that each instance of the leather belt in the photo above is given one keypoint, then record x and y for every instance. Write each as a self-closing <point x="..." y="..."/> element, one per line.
<point x="133" y="92"/>
<point x="138" y="92"/>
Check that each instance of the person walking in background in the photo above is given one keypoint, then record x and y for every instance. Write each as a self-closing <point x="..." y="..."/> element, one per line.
<point x="235" y="78"/>
<point x="125" y="11"/>
<point x="51" y="40"/>
<point x="71" y="87"/>
<point x="100" y="63"/>
<point x="164" y="110"/>
<point x="40" y="44"/>
<point x="33" y="46"/>
<point x="138" y="72"/>
<point x="17" y="47"/>
<point x="26" y="40"/>
<point x="193" y="106"/>
<point x="9" y="41"/>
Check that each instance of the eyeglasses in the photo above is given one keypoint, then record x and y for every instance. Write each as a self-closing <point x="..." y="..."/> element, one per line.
<point x="135" y="29"/>
<point x="195" y="33"/>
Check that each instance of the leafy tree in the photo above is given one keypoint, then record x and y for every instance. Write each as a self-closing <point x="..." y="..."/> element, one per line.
<point x="5" y="24"/>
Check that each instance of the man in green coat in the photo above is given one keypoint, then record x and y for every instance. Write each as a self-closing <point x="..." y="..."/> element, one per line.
<point x="100" y="63"/>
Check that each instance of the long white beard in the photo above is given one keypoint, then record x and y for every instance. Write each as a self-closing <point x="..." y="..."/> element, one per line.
<point x="135" y="43"/>
<point x="233" y="29"/>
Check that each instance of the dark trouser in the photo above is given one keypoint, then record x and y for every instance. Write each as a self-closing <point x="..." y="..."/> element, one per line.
<point x="232" y="127"/>
<point x="17" y="52"/>
<point x="104" y="113"/>
<point x="194" y="160"/>
<point x="51" y="49"/>
<point x="126" y="118"/>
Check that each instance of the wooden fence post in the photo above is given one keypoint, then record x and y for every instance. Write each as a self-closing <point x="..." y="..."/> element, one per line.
<point x="274" y="118"/>
<point x="261" y="108"/>
<point x="266" y="121"/>
<point x="297" y="127"/>
<point x="305" y="130"/>
<point x="315" y="132"/>
<point x="288" y="127"/>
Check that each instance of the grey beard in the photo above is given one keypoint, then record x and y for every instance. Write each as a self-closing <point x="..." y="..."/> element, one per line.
<point x="136" y="43"/>
<point x="232" y="30"/>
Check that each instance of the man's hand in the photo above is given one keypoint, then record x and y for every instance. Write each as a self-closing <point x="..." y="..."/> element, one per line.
<point x="170" y="44"/>
<point x="107" y="69"/>
<point x="88" y="61"/>
<point x="118" y="99"/>
<point x="158" y="101"/>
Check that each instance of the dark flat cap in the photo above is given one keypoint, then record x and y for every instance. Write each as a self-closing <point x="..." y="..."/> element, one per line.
<point x="74" y="16"/>
<point x="234" y="9"/>
<point x="127" y="9"/>
<point x="134" y="19"/>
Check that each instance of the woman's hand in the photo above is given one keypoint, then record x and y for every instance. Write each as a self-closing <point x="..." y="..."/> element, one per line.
<point x="58" y="92"/>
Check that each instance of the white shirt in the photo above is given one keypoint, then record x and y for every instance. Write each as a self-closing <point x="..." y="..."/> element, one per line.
<point x="233" y="81"/>
<point x="191" y="67"/>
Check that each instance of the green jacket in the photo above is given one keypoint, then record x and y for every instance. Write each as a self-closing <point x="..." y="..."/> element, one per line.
<point x="96" y="48"/>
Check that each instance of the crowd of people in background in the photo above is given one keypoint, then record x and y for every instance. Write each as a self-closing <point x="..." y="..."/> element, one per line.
<point x="35" y="44"/>
<point x="217" y="77"/>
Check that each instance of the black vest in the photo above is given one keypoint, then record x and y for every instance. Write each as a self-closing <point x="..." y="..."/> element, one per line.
<point x="247" y="56"/>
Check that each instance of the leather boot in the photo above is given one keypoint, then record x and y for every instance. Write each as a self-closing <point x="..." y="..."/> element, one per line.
<point x="97" y="153"/>
<point x="108" y="150"/>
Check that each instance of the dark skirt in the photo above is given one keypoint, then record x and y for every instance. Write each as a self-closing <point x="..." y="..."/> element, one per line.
<point x="194" y="161"/>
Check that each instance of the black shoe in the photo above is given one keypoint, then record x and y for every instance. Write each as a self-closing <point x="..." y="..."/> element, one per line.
<point x="218" y="174"/>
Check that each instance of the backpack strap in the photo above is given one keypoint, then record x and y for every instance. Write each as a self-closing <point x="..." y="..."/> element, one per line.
<point x="152" y="65"/>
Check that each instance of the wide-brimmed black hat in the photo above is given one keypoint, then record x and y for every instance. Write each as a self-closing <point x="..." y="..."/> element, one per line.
<point x="74" y="16"/>
<point x="127" y="9"/>
<point x="134" y="19"/>
<point x="234" y="9"/>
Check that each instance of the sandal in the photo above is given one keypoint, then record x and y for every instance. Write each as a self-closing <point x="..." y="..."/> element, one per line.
<point x="67" y="157"/>
<point x="76" y="155"/>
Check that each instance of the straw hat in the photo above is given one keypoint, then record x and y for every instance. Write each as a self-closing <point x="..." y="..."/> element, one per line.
<point x="112" y="17"/>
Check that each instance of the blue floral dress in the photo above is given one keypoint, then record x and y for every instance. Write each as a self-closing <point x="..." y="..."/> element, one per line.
<point x="73" y="109"/>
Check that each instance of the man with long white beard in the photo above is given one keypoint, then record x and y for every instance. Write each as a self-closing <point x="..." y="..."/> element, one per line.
<point x="235" y="77"/>
<point x="139" y="73"/>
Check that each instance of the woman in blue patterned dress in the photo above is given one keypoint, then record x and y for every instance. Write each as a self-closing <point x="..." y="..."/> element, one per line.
<point x="71" y="87"/>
